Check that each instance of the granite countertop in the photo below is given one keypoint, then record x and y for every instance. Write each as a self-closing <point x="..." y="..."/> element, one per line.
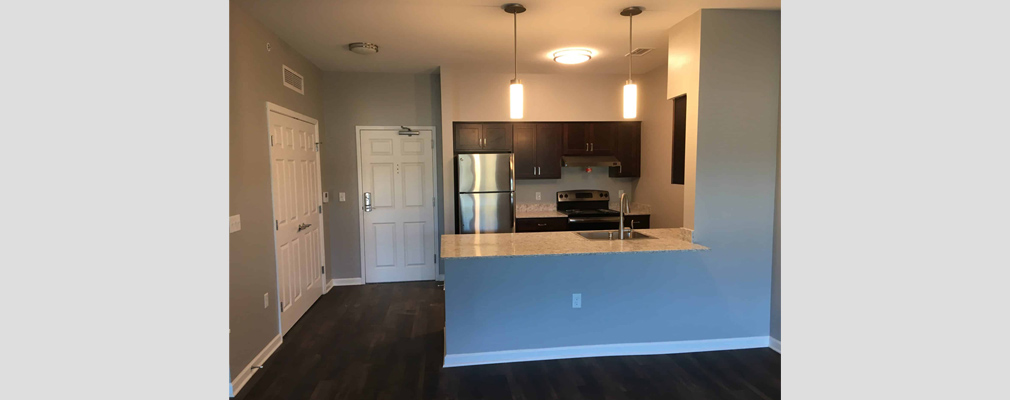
<point x="562" y="243"/>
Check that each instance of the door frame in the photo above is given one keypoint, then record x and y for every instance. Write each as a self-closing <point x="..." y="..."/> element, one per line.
<point x="271" y="107"/>
<point x="434" y="189"/>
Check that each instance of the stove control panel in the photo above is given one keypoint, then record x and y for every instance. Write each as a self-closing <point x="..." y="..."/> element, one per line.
<point x="583" y="195"/>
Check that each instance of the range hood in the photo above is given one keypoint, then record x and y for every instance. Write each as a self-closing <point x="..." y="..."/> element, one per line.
<point x="590" y="161"/>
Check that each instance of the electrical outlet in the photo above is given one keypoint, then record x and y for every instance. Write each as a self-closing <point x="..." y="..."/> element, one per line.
<point x="326" y="197"/>
<point x="343" y="196"/>
<point x="538" y="195"/>
<point x="266" y="299"/>
<point x="576" y="300"/>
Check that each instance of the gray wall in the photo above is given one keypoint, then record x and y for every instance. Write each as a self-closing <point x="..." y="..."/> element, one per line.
<point x="776" y="328"/>
<point x="737" y="141"/>
<point x="353" y="99"/>
<point x="255" y="79"/>
<point x="492" y="304"/>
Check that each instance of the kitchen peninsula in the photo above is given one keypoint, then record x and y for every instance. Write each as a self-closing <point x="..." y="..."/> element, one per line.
<point x="550" y="295"/>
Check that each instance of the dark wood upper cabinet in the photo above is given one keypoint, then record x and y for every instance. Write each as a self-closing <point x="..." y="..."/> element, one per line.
<point x="629" y="150"/>
<point x="537" y="150"/>
<point x="497" y="137"/>
<point x="467" y="137"/>
<point x="550" y="139"/>
<point x="489" y="137"/>
<point x="590" y="138"/>
<point x="576" y="138"/>
<point x="524" y="144"/>
<point x="603" y="140"/>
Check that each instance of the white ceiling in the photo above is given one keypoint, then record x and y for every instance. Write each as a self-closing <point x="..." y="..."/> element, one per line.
<point x="417" y="36"/>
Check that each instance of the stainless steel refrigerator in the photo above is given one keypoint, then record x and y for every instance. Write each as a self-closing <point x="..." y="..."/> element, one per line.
<point x="485" y="197"/>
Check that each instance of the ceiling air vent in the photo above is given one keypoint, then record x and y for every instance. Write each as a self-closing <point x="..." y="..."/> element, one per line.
<point x="293" y="80"/>
<point x="641" y="51"/>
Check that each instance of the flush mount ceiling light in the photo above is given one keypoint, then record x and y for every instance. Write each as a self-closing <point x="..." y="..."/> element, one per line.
<point x="630" y="89"/>
<point x="516" y="86"/>
<point x="573" y="56"/>
<point x="363" y="48"/>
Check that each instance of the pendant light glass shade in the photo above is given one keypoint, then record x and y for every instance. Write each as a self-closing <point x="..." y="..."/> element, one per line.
<point x="516" y="99"/>
<point x="630" y="100"/>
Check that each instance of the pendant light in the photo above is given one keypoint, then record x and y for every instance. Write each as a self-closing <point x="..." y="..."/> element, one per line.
<point x="516" y="86"/>
<point x="630" y="88"/>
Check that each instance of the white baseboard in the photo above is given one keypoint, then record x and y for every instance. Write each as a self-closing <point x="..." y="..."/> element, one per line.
<point x="440" y="278"/>
<point x="620" y="349"/>
<point x="775" y="344"/>
<point x="243" y="377"/>
<point x="329" y="285"/>
<point x="348" y="282"/>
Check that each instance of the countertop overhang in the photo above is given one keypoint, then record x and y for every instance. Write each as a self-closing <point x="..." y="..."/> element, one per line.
<point x="532" y="244"/>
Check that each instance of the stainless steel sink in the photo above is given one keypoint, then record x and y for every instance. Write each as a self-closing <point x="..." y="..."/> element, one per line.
<point x="612" y="235"/>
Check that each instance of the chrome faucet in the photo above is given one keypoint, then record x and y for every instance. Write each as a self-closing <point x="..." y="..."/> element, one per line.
<point x="620" y="226"/>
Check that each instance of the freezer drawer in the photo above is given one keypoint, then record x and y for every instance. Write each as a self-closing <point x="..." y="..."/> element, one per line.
<point x="484" y="172"/>
<point x="485" y="213"/>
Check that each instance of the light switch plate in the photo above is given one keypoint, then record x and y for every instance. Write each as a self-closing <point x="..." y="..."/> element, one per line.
<point x="538" y="195"/>
<point x="326" y="197"/>
<point x="343" y="196"/>
<point x="234" y="223"/>
<point x="576" y="300"/>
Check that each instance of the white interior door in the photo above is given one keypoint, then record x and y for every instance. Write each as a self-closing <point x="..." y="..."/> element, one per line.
<point x="298" y="236"/>
<point x="398" y="228"/>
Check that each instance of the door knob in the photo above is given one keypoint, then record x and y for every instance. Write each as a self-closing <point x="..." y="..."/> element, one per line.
<point x="302" y="227"/>
<point x="368" y="202"/>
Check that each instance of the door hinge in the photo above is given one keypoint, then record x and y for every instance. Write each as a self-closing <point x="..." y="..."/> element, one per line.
<point x="271" y="140"/>
<point x="277" y="225"/>
<point x="320" y="209"/>
<point x="436" y="258"/>
<point x="317" y="147"/>
<point x="282" y="306"/>
<point x="322" y="269"/>
<point x="433" y="144"/>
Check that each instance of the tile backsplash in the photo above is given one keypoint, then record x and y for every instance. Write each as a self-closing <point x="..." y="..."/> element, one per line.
<point x="573" y="178"/>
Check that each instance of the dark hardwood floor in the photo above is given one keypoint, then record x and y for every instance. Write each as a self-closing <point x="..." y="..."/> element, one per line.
<point x="384" y="341"/>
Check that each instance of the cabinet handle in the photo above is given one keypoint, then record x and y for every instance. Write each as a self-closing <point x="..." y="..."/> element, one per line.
<point x="541" y="224"/>
<point x="587" y="146"/>
<point x="538" y="170"/>
<point x="591" y="147"/>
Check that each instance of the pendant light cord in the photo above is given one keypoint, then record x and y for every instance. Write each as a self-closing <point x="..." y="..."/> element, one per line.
<point x="629" y="46"/>
<point x="515" y="46"/>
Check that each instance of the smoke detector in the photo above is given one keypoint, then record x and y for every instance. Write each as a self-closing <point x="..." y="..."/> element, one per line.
<point x="363" y="48"/>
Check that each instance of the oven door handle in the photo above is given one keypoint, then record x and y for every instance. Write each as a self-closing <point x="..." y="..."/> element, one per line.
<point x="578" y="220"/>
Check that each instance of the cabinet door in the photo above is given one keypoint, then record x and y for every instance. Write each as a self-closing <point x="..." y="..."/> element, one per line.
<point x="467" y="137"/>
<point x="550" y="139"/>
<point x="576" y="138"/>
<point x="524" y="143"/>
<point x="629" y="150"/>
<point x="497" y="137"/>
<point x="603" y="138"/>
<point x="541" y="224"/>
